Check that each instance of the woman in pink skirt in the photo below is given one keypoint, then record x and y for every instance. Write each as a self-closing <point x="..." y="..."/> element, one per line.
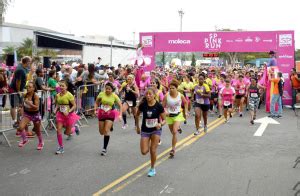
<point x="107" y="113"/>
<point x="65" y="115"/>
<point x="31" y="113"/>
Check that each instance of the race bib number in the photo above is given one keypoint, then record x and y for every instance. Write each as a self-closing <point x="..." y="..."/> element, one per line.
<point x="173" y="109"/>
<point x="151" y="123"/>
<point x="200" y="101"/>
<point x="63" y="108"/>
<point x="189" y="94"/>
<point x="106" y="108"/>
<point x="226" y="103"/>
<point x="242" y="91"/>
<point x="130" y="103"/>
<point x="254" y="95"/>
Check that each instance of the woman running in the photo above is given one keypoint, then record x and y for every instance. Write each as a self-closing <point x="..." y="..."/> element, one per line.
<point x="31" y="113"/>
<point x="172" y="102"/>
<point x="240" y="89"/>
<point x="106" y="112"/>
<point x="187" y="87"/>
<point x="202" y="103"/>
<point x="131" y="93"/>
<point x="254" y="98"/>
<point x="153" y="120"/>
<point x="144" y="83"/>
<point x="226" y="96"/>
<point x="155" y="84"/>
<point x="65" y="115"/>
<point x="221" y="84"/>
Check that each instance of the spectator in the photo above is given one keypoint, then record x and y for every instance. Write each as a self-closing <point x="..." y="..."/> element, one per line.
<point x="295" y="82"/>
<point x="17" y="86"/>
<point x="3" y="87"/>
<point x="276" y="98"/>
<point x="272" y="61"/>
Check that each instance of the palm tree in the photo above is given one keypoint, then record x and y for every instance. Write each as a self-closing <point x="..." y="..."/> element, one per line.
<point x="3" y="6"/>
<point x="26" y="47"/>
<point x="10" y="50"/>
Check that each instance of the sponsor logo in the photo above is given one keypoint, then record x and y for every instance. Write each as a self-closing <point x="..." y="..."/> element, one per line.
<point x="147" y="41"/>
<point x="248" y="40"/>
<point x="267" y="40"/>
<point x="179" y="41"/>
<point x="257" y="39"/>
<point x="213" y="41"/>
<point x="239" y="40"/>
<point x="285" y="40"/>
<point x="229" y="41"/>
<point x="285" y="56"/>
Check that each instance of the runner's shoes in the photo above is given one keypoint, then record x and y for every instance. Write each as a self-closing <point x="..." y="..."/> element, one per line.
<point x="22" y="143"/>
<point x="151" y="172"/>
<point x="40" y="146"/>
<point x="180" y="130"/>
<point x="60" y="150"/>
<point x="77" y="130"/>
<point x="103" y="152"/>
<point x="172" y="154"/>
<point x="197" y="132"/>
<point x="205" y="129"/>
<point x="159" y="143"/>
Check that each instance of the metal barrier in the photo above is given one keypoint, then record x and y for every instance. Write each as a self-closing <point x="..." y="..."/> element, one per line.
<point x="86" y="96"/>
<point x="16" y="100"/>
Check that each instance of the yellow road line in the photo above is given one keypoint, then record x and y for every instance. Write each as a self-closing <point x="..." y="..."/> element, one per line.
<point x="131" y="173"/>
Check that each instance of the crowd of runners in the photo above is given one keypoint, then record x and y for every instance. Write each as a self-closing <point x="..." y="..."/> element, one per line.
<point x="161" y="96"/>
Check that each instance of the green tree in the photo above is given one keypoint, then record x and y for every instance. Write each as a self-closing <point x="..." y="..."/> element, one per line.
<point x="47" y="52"/>
<point x="193" y="60"/>
<point x="10" y="50"/>
<point x="3" y="7"/>
<point x="26" y="47"/>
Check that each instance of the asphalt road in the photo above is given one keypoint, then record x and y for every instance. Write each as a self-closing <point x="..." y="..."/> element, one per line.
<point x="228" y="160"/>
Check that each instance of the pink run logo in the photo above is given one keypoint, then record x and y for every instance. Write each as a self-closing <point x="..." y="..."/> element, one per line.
<point x="213" y="42"/>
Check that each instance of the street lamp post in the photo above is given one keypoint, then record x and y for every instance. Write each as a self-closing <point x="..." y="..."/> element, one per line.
<point x="181" y="13"/>
<point x="111" y="38"/>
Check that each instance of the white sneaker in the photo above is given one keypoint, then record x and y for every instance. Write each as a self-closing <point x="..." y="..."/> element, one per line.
<point x="197" y="132"/>
<point x="124" y="126"/>
<point x="159" y="143"/>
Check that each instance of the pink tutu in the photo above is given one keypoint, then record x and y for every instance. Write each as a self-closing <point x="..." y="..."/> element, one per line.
<point x="67" y="121"/>
<point x="109" y="115"/>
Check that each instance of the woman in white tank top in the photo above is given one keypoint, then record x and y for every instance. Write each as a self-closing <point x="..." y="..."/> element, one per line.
<point x="172" y="104"/>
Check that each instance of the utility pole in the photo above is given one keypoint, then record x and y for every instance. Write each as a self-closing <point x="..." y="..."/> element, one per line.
<point x="133" y="41"/>
<point x="181" y="13"/>
<point x="111" y="39"/>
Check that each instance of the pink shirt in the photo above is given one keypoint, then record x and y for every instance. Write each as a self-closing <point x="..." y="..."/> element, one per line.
<point x="143" y="86"/>
<point x="240" y="88"/>
<point x="227" y="95"/>
<point x="221" y="85"/>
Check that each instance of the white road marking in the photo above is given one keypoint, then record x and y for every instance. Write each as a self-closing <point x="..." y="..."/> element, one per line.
<point x="13" y="174"/>
<point x="25" y="171"/>
<point x="264" y="123"/>
<point x="164" y="189"/>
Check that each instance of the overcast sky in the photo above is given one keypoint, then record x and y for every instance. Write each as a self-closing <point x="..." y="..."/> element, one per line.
<point x="121" y="18"/>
